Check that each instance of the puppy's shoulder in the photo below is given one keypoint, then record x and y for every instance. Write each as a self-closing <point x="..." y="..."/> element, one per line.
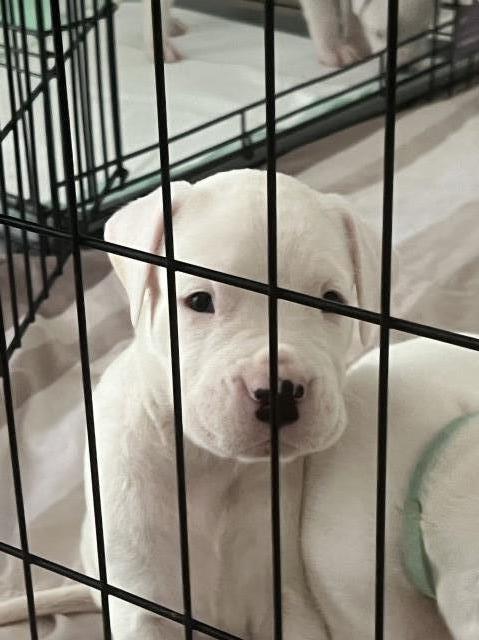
<point x="116" y="392"/>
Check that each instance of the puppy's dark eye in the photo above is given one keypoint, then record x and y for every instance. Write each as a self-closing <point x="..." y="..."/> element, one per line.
<point x="201" y="301"/>
<point x="333" y="296"/>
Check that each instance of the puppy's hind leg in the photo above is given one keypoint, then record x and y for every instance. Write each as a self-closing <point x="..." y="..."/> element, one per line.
<point x="170" y="53"/>
<point x="335" y="31"/>
<point x="458" y="602"/>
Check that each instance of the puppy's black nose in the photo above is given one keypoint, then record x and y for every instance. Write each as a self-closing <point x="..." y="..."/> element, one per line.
<point x="287" y="408"/>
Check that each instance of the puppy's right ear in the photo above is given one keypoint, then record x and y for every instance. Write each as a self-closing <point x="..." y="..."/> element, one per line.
<point x="139" y="225"/>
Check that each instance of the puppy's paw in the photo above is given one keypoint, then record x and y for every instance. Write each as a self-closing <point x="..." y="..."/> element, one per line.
<point x="352" y="47"/>
<point x="171" y="53"/>
<point x="177" y="28"/>
<point x="341" y="55"/>
<point x="328" y="57"/>
<point x="349" y="53"/>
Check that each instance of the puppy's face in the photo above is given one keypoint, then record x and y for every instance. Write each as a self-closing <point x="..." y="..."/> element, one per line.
<point x="221" y="223"/>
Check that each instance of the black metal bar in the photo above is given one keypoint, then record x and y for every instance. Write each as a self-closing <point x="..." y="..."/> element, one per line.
<point x="17" y="479"/>
<point x="74" y="43"/>
<point x="31" y="152"/>
<point x="87" y="97"/>
<point x="236" y="112"/>
<point x="452" y="56"/>
<point x="398" y="324"/>
<point x="114" y="93"/>
<point x="88" y="22"/>
<point x="18" y="223"/>
<point x="121" y="594"/>
<point x="8" y="246"/>
<point x="99" y="83"/>
<point x="67" y="153"/>
<point x="25" y="323"/>
<point x="388" y="193"/>
<point x="85" y="102"/>
<point x="33" y="54"/>
<point x="47" y="112"/>
<point x="172" y="311"/>
<point x="12" y="286"/>
<point x="270" y="69"/>
<point x="280" y="94"/>
<point x="364" y="315"/>
<point x="255" y="145"/>
<point x="105" y="191"/>
<point x="67" y="54"/>
<point x="18" y="167"/>
<point x="432" y="84"/>
<point x="20" y="69"/>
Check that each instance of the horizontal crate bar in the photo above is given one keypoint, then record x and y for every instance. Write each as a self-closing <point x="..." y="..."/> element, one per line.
<point x="122" y="594"/>
<point x="364" y="315"/>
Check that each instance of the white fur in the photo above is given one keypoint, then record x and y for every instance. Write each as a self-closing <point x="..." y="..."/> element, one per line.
<point x="430" y="384"/>
<point x="345" y="31"/>
<point x="342" y="31"/>
<point x="221" y="223"/>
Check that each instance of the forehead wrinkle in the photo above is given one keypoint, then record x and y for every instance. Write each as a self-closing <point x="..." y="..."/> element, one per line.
<point x="230" y="230"/>
<point x="229" y="239"/>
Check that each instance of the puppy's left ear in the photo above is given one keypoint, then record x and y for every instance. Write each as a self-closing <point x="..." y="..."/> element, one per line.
<point x="139" y="225"/>
<point x="365" y="249"/>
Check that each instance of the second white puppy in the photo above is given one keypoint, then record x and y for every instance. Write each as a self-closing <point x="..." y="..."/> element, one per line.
<point x="345" y="31"/>
<point x="221" y="223"/>
<point x="432" y="537"/>
<point x="342" y="31"/>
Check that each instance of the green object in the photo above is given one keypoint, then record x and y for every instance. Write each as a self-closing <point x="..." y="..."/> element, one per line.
<point x="29" y="7"/>
<point x="416" y="562"/>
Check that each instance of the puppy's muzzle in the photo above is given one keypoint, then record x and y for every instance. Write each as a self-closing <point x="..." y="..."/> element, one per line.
<point x="287" y="398"/>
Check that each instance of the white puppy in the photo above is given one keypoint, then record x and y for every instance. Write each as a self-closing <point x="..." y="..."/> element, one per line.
<point x="221" y="223"/>
<point x="430" y="385"/>
<point x="345" y="31"/>
<point x="342" y="31"/>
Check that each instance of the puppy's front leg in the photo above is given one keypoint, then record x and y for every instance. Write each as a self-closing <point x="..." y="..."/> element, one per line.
<point x="170" y="53"/>
<point x="129" y="622"/>
<point x="335" y="31"/>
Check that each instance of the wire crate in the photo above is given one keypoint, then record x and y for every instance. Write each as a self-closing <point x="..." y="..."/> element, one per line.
<point x="32" y="176"/>
<point x="48" y="66"/>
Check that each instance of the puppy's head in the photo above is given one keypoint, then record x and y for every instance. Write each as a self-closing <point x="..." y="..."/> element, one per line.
<point x="221" y="223"/>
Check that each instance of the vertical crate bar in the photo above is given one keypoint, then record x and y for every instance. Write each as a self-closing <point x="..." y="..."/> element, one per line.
<point x="435" y="26"/>
<point x="114" y="92"/>
<point x="12" y="436"/>
<point x="84" y="94"/>
<point x="32" y="152"/>
<point x="74" y="64"/>
<point x="388" y="193"/>
<point x="16" y="146"/>
<point x="99" y="84"/>
<point x="269" y="52"/>
<point x="8" y="246"/>
<point x="80" y="303"/>
<point x="48" y="119"/>
<point x="172" y="311"/>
